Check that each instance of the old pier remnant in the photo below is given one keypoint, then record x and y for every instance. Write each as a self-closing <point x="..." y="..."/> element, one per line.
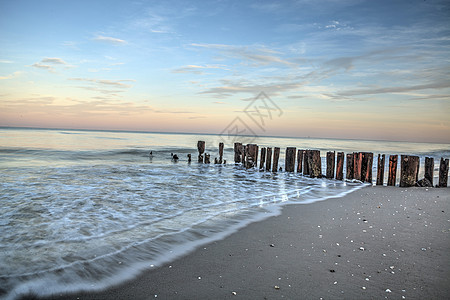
<point x="276" y="156"/>
<point x="380" y="169"/>
<point x="330" y="164"/>
<point x="409" y="170"/>
<point x="443" y="172"/>
<point x="340" y="166"/>
<point x="392" y="175"/>
<point x="289" y="162"/>
<point x="201" y="150"/>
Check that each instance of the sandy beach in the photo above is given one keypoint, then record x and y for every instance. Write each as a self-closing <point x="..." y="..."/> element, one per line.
<point x="375" y="243"/>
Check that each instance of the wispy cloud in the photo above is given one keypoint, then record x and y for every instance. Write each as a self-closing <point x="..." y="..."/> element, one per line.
<point x="49" y="63"/>
<point x="257" y="55"/>
<point x="121" y="83"/>
<point x="196" y="69"/>
<point x="4" y="61"/>
<point x="109" y="40"/>
<point x="11" y="76"/>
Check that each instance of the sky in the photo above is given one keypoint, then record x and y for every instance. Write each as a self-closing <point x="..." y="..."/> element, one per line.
<point x="353" y="69"/>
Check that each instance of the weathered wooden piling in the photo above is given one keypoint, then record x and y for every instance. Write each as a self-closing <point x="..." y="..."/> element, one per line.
<point x="201" y="150"/>
<point x="207" y="158"/>
<point x="443" y="172"/>
<point x="189" y="158"/>
<point x="349" y="174"/>
<point x="276" y="156"/>
<point x="306" y="156"/>
<point x="263" y="158"/>
<point x="429" y="170"/>
<point x="357" y="165"/>
<point x="251" y="156"/>
<point x="409" y="170"/>
<point x="380" y="169"/>
<point x="244" y="154"/>
<point x="237" y="152"/>
<point x="340" y="166"/>
<point x="330" y="164"/>
<point x="269" y="158"/>
<point x="315" y="164"/>
<point x="220" y="153"/>
<point x="366" y="167"/>
<point x="392" y="175"/>
<point x="289" y="162"/>
<point x="299" y="160"/>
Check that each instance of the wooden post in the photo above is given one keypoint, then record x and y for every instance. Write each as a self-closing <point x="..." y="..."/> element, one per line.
<point x="244" y="154"/>
<point x="263" y="158"/>
<point x="299" y="160"/>
<point x="443" y="172"/>
<point x="269" y="158"/>
<point x="380" y="169"/>
<point x="349" y="174"/>
<point x="251" y="156"/>
<point x="366" y="168"/>
<point x="429" y="169"/>
<point x="220" y="153"/>
<point x="306" y="156"/>
<point x="276" y="156"/>
<point x="189" y="158"/>
<point x="409" y="170"/>
<point x="330" y="164"/>
<point x="207" y="158"/>
<point x="237" y="152"/>
<point x="340" y="166"/>
<point x="289" y="163"/>
<point x="201" y="150"/>
<point x="392" y="176"/>
<point x="357" y="165"/>
<point x="315" y="164"/>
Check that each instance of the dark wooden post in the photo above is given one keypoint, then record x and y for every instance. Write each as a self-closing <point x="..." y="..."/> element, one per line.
<point x="315" y="164"/>
<point x="380" y="169"/>
<point x="237" y="152"/>
<point x="429" y="169"/>
<point x="189" y="158"/>
<point x="220" y="153"/>
<point x="269" y="158"/>
<point x="330" y="164"/>
<point x="306" y="156"/>
<point x="443" y="172"/>
<point x="299" y="160"/>
<point x="349" y="174"/>
<point x="289" y="163"/>
<point x="366" y="168"/>
<point x="357" y="165"/>
<point x="276" y="156"/>
<point x="201" y="150"/>
<point x="340" y="166"/>
<point x="409" y="170"/>
<point x="263" y="158"/>
<point x="392" y="176"/>
<point x="207" y="158"/>
<point x="251" y="156"/>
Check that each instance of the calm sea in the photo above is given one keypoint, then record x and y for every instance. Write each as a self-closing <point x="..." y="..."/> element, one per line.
<point x="88" y="209"/>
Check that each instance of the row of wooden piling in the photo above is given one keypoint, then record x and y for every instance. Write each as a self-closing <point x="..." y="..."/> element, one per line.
<point x="358" y="167"/>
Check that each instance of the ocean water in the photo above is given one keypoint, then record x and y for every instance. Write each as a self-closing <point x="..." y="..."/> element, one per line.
<point x="83" y="210"/>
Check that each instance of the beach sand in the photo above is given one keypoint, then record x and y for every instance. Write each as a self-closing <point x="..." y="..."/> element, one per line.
<point x="375" y="243"/>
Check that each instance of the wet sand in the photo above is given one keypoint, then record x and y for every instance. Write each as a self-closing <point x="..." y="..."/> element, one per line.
<point x="375" y="243"/>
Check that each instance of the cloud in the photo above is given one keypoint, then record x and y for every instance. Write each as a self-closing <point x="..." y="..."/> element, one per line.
<point x="396" y="89"/>
<point x="4" y="61"/>
<point x="110" y="40"/>
<point x="54" y="60"/>
<point x="195" y="69"/>
<point x="44" y="67"/>
<point x="121" y="83"/>
<point x="256" y="54"/>
<point x="11" y="76"/>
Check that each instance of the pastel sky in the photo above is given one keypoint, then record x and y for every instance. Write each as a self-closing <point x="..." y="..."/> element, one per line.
<point x="328" y="68"/>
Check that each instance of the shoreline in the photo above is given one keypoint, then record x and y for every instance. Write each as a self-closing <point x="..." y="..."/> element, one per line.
<point x="377" y="242"/>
